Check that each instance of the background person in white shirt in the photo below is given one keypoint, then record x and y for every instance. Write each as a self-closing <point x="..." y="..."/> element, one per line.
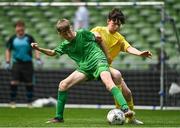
<point x="81" y="19"/>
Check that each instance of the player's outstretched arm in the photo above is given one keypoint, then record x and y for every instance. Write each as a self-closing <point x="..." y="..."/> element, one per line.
<point x="8" y="59"/>
<point x="135" y="51"/>
<point x="48" y="52"/>
<point x="8" y="55"/>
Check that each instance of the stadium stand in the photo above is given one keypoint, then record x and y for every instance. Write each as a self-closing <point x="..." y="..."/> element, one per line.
<point x="141" y="31"/>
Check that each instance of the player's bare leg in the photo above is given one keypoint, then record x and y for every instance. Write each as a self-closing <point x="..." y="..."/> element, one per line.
<point x="126" y="91"/>
<point x="110" y="85"/>
<point x="127" y="94"/>
<point x="64" y="85"/>
<point x="117" y="78"/>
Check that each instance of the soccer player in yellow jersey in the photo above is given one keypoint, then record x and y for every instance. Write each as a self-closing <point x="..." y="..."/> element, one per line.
<point x="114" y="43"/>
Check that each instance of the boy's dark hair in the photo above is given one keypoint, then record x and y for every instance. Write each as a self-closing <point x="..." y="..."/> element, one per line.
<point x="116" y="15"/>
<point x="19" y="23"/>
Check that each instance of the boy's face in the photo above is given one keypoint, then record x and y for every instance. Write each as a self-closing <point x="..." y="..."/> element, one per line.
<point x="113" y="26"/>
<point x="68" y="34"/>
<point x="19" y="30"/>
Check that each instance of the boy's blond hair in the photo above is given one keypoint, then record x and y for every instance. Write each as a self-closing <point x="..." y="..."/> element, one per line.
<point x="63" y="25"/>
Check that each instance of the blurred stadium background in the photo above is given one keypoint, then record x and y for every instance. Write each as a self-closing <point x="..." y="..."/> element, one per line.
<point x="142" y="30"/>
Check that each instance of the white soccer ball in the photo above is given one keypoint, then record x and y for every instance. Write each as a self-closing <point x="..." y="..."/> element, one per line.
<point x="116" y="116"/>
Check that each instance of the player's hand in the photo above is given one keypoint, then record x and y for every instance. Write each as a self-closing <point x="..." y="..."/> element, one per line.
<point x="98" y="37"/>
<point x="7" y="66"/>
<point x="35" y="46"/>
<point x="146" y="54"/>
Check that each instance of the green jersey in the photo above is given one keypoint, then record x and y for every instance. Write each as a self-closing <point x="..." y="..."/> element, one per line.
<point x="84" y="50"/>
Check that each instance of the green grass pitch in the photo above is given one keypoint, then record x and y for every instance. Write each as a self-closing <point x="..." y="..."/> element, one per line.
<point x="36" y="117"/>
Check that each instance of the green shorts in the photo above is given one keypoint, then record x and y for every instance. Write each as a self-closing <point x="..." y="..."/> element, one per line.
<point x="95" y="73"/>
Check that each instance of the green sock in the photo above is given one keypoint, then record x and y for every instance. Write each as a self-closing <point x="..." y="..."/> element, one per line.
<point x="117" y="93"/>
<point x="62" y="96"/>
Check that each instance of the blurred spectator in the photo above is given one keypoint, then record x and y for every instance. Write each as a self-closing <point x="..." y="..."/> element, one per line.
<point x="19" y="49"/>
<point x="81" y="19"/>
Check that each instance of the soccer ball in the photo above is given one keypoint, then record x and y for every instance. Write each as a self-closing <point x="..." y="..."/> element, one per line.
<point x="116" y="116"/>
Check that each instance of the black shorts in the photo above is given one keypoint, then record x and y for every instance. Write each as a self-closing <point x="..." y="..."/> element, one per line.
<point x="23" y="72"/>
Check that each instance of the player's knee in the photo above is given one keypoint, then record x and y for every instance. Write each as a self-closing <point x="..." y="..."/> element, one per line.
<point x="117" y="77"/>
<point x="104" y="77"/>
<point x="63" y="86"/>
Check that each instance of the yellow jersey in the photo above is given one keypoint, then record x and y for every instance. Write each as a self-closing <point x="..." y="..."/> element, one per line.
<point x="115" y="43"/>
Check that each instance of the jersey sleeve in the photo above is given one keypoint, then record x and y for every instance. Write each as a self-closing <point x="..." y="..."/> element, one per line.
<point x="9" y="43"/>
<point x="60" y="49"/>
<point x="124" y="44"/>
<point x="96" y="29"/>
<point x="31" y="39"/>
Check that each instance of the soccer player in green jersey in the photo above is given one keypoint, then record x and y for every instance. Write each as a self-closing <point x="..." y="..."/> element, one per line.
<point x="81" y="46"/>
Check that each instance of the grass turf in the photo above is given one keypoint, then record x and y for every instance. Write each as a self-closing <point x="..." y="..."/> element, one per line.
<point x="36" y="117"/>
